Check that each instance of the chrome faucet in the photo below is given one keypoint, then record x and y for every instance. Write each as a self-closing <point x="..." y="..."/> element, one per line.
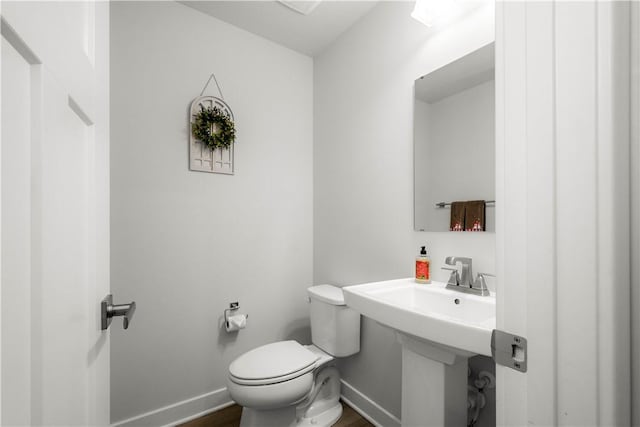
<point x="465" y="282"/>
<point x="467" y="272"/>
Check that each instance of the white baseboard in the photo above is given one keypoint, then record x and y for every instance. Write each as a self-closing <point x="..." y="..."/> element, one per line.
<point x="366" y="407"/>
<point x="180" y="412"/>
<point x="199" y="406"/>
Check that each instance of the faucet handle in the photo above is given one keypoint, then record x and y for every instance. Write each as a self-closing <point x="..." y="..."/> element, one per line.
<point x="454" y="278"/>
<point x="481" y="284"/>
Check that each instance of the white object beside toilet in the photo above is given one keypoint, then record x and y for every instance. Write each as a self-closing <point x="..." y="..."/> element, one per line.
<point x="286" y="384"/>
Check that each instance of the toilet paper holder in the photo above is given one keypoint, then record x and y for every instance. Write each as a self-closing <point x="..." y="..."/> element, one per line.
<point x="233" y="307"/>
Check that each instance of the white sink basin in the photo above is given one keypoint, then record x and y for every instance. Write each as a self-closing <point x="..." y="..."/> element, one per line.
<point x="428" y="311"/>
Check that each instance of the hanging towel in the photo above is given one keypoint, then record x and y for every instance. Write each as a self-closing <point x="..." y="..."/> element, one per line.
<point x="457" y="216"/>
<point x="475" y="215"/>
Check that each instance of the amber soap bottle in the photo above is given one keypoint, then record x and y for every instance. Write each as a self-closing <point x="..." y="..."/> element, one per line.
<point x="423" y="273"/>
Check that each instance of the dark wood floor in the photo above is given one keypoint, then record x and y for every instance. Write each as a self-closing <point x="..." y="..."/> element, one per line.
<point x="230" y="417"/>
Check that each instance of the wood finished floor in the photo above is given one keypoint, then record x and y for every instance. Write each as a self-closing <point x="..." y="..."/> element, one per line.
<point x="230" y="417"/>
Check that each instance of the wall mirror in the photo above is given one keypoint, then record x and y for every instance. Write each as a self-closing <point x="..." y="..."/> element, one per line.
<point x="454" y="139"/>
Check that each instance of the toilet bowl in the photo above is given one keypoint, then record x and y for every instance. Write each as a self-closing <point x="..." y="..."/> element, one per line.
<point x="287" y="384"/>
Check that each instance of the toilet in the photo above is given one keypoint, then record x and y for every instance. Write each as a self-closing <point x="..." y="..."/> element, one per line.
<point x="287" y="384"/>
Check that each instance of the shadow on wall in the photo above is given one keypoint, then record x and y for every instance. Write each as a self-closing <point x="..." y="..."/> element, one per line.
<point x="297" y="330"/>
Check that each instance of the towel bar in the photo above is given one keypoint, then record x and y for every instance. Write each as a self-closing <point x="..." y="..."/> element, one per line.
<point x="443" y="204"/>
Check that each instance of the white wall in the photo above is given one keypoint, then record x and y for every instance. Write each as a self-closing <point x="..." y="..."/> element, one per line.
<point x="185" y="244"/>
<point x="363" y="169"/>
<point x="421" y="150"/>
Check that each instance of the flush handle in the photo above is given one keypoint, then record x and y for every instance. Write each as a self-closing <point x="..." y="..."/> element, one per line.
<point x="110" y="310"/>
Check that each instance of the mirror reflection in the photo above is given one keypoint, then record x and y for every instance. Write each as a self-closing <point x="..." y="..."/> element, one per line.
<point x="454" y="144"/>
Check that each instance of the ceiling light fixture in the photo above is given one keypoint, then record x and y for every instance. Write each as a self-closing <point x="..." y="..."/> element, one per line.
<point x="301" y="6"/>
<point x="439" y="12"/>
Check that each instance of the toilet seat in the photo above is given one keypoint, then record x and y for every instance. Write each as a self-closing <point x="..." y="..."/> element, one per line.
<point x="272" y="363"/>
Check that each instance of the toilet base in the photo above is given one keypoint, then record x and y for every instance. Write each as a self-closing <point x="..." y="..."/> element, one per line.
<point x="282" y="417"/>
<point x="286" y="417"/>
<point x="321" y="408"/>
<point x="326" y="418"/>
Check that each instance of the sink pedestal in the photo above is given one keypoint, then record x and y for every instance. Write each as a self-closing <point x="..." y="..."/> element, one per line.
<point x="434" y="383"/>
<point x="439" y="329"/>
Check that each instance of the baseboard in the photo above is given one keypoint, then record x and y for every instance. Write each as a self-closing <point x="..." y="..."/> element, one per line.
<point x="199" y="406"/>
<point x="180" y="412"/>
<point x="366" y="407"/>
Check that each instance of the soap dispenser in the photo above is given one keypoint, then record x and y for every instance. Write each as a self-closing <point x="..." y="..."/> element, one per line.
<point x="423" y="273"/>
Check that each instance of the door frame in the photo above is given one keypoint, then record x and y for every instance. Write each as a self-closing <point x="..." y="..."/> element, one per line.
<point x="562" y="234"/>
<point x="635" y="211"/>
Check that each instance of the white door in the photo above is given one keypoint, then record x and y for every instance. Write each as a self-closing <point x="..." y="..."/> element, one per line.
<point x="562" y="121"/>
<point x="55" y="210"/>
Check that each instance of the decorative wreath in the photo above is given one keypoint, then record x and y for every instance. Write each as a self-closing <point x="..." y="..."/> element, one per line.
<point x="213" y="127"/>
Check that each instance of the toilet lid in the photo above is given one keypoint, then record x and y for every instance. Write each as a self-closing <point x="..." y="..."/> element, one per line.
<point x="272" y="362"/>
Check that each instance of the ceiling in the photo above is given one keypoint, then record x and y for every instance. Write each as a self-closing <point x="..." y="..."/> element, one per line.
<point x="307" y="34"/>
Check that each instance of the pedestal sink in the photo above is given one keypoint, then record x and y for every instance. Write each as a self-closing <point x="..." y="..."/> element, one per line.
<point x="439" y="329"/>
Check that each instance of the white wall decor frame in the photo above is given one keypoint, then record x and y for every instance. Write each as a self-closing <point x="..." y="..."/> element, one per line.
<point x="201" y="157"/>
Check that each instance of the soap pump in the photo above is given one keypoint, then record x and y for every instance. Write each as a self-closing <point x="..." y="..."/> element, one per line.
<point x="423" y="273"/>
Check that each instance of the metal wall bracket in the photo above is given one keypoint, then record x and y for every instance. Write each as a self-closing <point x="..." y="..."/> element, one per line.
<point x="509" y="350"/>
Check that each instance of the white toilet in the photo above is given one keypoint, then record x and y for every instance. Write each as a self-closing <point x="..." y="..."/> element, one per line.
<point x="286" y="384"/>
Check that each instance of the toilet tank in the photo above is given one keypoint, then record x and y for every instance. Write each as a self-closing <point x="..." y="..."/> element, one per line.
<point x="335" y="328"/>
